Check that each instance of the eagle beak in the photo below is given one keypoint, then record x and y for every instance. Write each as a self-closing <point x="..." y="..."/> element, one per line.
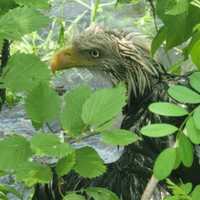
<point x="62" y="60"/>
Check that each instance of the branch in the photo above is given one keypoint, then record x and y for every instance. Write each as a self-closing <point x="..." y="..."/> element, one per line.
<point x="150" y="188"/>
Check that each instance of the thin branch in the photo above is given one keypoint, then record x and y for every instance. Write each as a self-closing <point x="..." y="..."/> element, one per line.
<point x="150" y="188"/>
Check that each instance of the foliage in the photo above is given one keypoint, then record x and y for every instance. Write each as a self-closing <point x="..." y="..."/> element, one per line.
<point x="83" y="113"/>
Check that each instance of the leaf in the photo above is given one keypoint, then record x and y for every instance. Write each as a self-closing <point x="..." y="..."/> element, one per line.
<point x="164" y="163"/>
<point x="184" y="94"/>
<point x="185" y="150"/>
<point x="195" y="81"/>
<point x="88" y="163"/>
<point x="71" y="114"/>
<point x="24" y="72"/>
<point x="119" y="137"/>
<point x="101" y="193"/>
<point x="74" y="196"/>
<point x="31" y="173"/>
<point x="167" y="109"/>
<point x="179" y="28"/>
<point x="195" y="54"/>
<point x="42" y="104"/>
<point x="180" y="6"/>
<point x="158" y="130"/>
<point x="196" y="117"/>
<point x="192" y="132"/>
<point x="64" y="165"/>
<point x="42" y="4"/>
<point x="21" y="21"/>
<point x="103" y="105"/>
<point x="196" y="193"/>
<point x="158" y="40"/>
<point x="187" y="188"/>
<point x="6" y="5"/>
<point x="50" y="145"/>
<point x="14" y="150"/>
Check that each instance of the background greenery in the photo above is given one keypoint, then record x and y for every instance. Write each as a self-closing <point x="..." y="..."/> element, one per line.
<point x="33" y="38"/>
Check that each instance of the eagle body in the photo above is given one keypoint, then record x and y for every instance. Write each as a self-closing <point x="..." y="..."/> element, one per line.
<point x="122" y="57"/>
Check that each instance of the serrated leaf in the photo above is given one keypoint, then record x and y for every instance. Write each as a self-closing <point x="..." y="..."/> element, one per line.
<point x="42" y="4"/>
<point x="14" y="150"/>
<point x="158" y="40"/>
<point x="192" y="132"/>
<point x="184" y="94"/>
<point x="74" y="196"/>
<point x="195" y="81"/>
<point x="24" y="71"/>
<point x="71" y="114"/>
<point x="42" y="104"/>
<point x="196" y="193"/>
<point x="164" y="163"/>
<point x="158" y="130"/>
<point x="64" y="165"/>
<point x="119" y="137"/>
<point x="103" y="105"/>
<point x="50" y="145"/>
<point x="167" y="109"/>
<point x="21" y="21"/>
<point x="31" y="173"/>
<point x="88" y="163"/>
<point x="185" y="150"/>
<point x="101" y="193"/>
<point x="196" y="117"/>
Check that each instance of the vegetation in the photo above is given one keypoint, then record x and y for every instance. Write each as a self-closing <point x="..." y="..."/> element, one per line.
<point x="80" y="112"/>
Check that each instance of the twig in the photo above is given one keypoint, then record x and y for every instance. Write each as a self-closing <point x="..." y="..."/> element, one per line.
<point x="150" y="188"/>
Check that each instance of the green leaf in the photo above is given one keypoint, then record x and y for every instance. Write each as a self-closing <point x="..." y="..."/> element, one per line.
<point x="42" y="4"/>
<point x="6" y="5"/>
<point x="158" y="130"/>
<point x="42" y="104"/>
<point x="167" y="109"/>
<point x="74" y="196"/>
<point x="24" y="72"/>
<point x="101" y="193"/>
<point x="185" y="150"/>
<point x="195" y="81"/>
<point x="164" y="163"/>
<point x="71" y="114"/>
<point x="119" y="137"/>
<point x="64" y="165"/>
<point x="196" y="193"/>
<point x="192" y="132"/>
<point x="158" y="40"/>
<point x="103" y="105"/>
<point x="14" y="150"/>
<point x="88" y="163"/>
<point x="178" y="159"/>
<point x="31" y="173"/>
<point x="184" y="94"/>
<point x="180" y="6"/>
<point x="21" y="21"/>
<point x="187" y="187"/>
<point x="195" y="54"/>
<point x="50" y="145"/>
<point x="196" y="117"/>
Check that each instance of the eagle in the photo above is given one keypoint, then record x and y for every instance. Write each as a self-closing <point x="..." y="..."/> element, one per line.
<point x="123" y="57"/>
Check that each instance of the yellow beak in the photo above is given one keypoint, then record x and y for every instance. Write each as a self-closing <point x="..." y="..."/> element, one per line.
<point x="63" y="59"/>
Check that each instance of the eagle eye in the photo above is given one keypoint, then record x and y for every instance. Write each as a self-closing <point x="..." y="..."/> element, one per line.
<point x="95" y="53"/>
